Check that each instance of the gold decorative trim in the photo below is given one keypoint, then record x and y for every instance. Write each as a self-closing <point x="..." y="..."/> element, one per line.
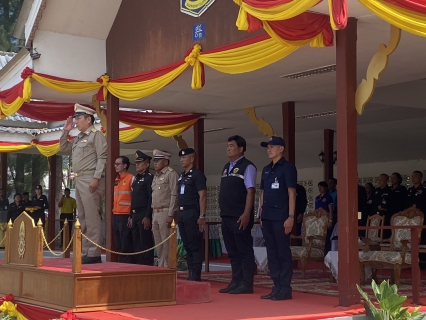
<point x="262" y="125"/>
<point x="181" y="143"/>
<point x="378" y="63"/>
<point x="100" y="113"/>
<point x="21" y="241"/>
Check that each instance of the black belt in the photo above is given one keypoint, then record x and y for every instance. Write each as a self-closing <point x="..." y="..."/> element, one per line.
<point x="138" y="210"/>
<point x="67" y="213"/>
<point x="183" y="208"/>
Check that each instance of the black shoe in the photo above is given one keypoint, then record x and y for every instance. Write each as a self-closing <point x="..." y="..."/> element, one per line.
<point x="269" y="296"/>
<point x="196" y="275"/>
<point x="282" y="296"/>
<point x="242" y="289"/>
<point x="190" y="275"/>
<point x="90" y="260"/>
<point x="230" y="287"/>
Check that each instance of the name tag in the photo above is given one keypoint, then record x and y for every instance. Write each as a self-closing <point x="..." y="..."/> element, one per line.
<point x="275" y="185"/>
<point x="182" y="189"/>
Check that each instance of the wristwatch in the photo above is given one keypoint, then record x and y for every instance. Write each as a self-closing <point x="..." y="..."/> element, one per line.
<point x="291" y="216"/>
<point x="202" y="215"/>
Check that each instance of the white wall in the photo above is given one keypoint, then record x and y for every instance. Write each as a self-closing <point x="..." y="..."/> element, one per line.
<point x="69" y="56"/>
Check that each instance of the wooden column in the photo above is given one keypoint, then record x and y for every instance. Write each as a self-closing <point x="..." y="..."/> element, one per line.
<point x="199" y="144"/>
<point x="4" y="172"/>
<point x="347" y="188"/>
<point x="52" y="200"/>
<point x="328" y="153"/>
<point x="113" y="152"/>
<point x="289" y="131"/>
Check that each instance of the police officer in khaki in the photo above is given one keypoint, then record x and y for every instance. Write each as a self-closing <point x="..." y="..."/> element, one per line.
<point x="164" y="202"/>
<point x="89" y="154"/>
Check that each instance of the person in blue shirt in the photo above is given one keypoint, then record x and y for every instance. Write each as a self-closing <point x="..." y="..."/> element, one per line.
<point x="278" y="200"/>
<point x="325" y="201"/>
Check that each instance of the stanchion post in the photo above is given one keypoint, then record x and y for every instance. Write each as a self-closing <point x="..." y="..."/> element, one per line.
<point x="415" y="274"/>
<point x="172" y="263"/>
<point x="39" y="243"/>
<point x="66" y="238"/>
<point x="76" y="261"/>
<point x="7" y="242"/>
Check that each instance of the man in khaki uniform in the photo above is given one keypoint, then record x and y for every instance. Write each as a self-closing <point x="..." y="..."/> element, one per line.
<point x="164" y="202"/>
<point x="88" y="158"/>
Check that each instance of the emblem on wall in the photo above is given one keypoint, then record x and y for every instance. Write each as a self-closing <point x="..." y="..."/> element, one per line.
<point x="21" y="241"/>
<point x="195" y="8"/>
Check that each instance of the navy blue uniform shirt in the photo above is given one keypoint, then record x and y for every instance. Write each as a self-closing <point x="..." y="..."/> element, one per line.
<point x="323" y="202"/>
<point x="275" y="183"/>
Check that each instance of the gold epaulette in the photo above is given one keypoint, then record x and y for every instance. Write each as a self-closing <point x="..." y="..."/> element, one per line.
<point x="171" y="169"/>
<point x="94" y="130"/>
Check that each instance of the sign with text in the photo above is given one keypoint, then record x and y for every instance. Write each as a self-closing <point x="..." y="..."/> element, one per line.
<point x="195" y="8"/>
<point x="199" y="31"/>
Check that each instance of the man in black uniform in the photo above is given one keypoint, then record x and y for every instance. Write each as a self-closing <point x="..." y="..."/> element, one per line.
<point x="141" y="214"/>
<point x="381" y="201"/>
<point x="417" y="198"/>
<point x="278" y="199"/>
<point x="236" y="202"/>
<point x="192" y="205"/>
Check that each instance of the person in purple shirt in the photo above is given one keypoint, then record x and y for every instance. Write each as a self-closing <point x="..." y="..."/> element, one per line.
<point x="236" y="202"/>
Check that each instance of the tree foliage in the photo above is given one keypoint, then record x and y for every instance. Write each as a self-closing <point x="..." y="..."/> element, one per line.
<point x="9" y="11"/>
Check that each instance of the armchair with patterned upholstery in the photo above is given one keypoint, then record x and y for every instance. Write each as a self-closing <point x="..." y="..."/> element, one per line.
<point x="373" y="237"/>
<point x="399" y="254"/>
<point x="314" y="233"/>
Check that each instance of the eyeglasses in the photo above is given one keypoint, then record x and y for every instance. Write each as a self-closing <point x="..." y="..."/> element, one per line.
<point x="117" y="164"/>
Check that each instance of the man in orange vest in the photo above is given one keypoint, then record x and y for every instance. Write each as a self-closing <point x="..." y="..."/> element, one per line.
<point x="121" y="222"/>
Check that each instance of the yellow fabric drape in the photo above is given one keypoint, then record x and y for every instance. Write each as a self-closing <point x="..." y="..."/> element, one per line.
<point x="168" y="130"/>
<point x="14" y="148"/>
<point x="10" y="308"/>
<point x="247" y="58"/>
<point x="280" y="12"/>
<point x="139" y="90"/>
<point x="47" y="151"/>
<point x="129" y="135"/>
<point x="67" y="86"/>
<point x="407" y="20"/>
<point x="317" y="42"/>
<point x="7" y="109"/>
<point x="330" y="9"/>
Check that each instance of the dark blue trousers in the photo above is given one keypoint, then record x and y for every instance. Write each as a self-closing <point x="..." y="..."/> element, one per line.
<point x="122" y="236"/>
<point x="191" y="238"/>
<point x="279" y="255"/>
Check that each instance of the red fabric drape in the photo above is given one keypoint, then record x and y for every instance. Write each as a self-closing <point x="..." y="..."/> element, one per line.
<point x="418" y="6"/>
<point x="10" y="95"/>
<point x="148" y="75"/>
<point x="340" y="13"/>
<point x="304" y="26"/>
<point x="158" y="119"/>
<point x="265" y="4"/>
<point x="53" y="111"/>
<point x="47" y="111"/>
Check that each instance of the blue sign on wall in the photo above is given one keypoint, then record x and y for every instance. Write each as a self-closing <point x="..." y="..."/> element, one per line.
<point x="195" y="8"/>
<point x="199" y="31"/>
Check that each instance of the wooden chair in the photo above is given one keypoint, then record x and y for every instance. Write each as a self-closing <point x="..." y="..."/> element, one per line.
<point x="399" y="255"/>
<point x="374" y="237"/>
<point x="314" y="233"/>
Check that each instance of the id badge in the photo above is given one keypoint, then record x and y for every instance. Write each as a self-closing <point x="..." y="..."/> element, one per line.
<point x="275" y="185"/>
<point x="182" y="189"/>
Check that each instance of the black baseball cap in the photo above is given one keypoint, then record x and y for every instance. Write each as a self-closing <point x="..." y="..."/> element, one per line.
<point x="185" y="152"/>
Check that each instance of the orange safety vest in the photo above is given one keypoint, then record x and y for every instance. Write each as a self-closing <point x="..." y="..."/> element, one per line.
<point x="123" y="194"/>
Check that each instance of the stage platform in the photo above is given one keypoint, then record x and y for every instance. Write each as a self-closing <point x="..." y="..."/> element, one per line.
<point x="101" y="286"/>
